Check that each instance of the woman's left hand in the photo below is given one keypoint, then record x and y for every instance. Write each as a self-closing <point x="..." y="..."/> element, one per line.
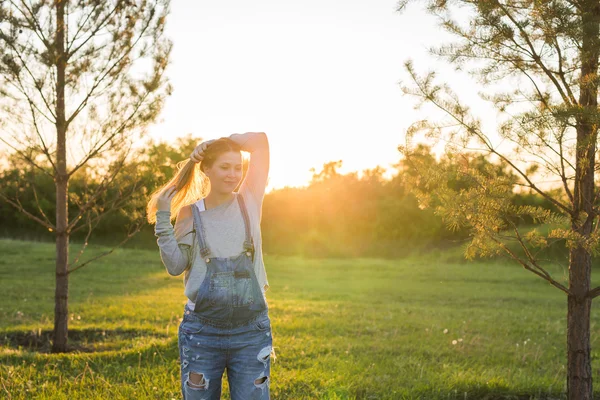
<point x="198" y="153"/>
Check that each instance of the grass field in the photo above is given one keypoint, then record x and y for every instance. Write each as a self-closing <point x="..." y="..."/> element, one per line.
<point x="427" y="327"/>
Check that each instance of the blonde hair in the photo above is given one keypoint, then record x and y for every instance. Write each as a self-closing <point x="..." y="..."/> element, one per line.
<point x="190" y="181"/>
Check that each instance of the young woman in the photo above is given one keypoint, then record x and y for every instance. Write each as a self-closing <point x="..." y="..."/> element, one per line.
<point x="216" y="244"/>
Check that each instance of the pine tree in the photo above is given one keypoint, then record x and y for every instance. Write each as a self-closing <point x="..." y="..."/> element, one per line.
<point x="79" y="81"/>
<point x="546" y="54"/>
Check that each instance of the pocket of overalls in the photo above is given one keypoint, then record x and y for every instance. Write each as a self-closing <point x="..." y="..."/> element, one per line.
<point x="221" y="285"/>
<point x="243" y="289"/>
<point x="190" y="326"/>
<point x="263" y="324"/>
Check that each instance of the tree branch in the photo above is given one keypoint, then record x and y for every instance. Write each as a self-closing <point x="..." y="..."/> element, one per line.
<point x="593" y="293"/>
<point x="130" y="234"/>
<point x="103" y="76"/>
<point x="475" y="131"/>
<point x="536" y="58"/>
<point x="33" y="22"/>
<point x="38" y="87"/>
<point x="85" y="242"/>
<point x="45" y="149"/>
<point x="37" y="202"/>
<point x="561" y="72"/>
<point x="92" y="35"/>
<point x="104" y="184"/>
<point x="122" y="126"/>
<point x="529" y="268"/>
<point x="27" y="158"/>
<point x="79" y="29"/>
<point x="17" y="204"/>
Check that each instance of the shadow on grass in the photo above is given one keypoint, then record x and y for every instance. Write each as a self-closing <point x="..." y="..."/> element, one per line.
<point x="490" y="394"/>
<point x="90" y="340"/>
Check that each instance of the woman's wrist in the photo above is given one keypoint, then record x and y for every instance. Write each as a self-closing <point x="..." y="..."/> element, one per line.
<point x="163" y="225"/>
<point x="239" y="138"/>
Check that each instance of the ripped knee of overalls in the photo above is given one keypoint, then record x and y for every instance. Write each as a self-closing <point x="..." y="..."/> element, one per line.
<point x="196" y="380"/>
<point x="265" y="353"/>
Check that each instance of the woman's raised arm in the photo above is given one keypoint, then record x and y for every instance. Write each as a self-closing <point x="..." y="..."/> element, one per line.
<point x="257" y="144"/>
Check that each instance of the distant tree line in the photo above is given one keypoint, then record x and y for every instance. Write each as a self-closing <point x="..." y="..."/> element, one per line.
<point x="340" y="215"/>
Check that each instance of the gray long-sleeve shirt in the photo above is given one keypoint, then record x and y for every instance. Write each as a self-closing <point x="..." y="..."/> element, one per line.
<point x="224" y="224"/>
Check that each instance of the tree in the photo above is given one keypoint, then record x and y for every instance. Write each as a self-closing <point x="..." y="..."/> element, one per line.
<point x="83" y="79"/>
<point x="548" y="52"/>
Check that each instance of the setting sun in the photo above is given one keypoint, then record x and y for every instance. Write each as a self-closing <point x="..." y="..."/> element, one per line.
<point x="321" y="80"/>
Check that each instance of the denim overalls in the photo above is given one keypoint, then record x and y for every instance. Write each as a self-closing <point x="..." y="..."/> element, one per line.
<point x="229" y="326"/>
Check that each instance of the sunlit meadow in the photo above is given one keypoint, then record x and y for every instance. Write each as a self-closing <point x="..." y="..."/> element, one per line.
<point x="430" y="326"/>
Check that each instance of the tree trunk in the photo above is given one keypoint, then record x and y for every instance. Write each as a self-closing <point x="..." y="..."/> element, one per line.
<point x="61" y="295"/>
<point x="579" y="373"/>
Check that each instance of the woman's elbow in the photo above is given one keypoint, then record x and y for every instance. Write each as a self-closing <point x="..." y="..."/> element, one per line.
<point x="262" y="140"/>
<point x="175" y="271"/>
<point x="173" y="267"/>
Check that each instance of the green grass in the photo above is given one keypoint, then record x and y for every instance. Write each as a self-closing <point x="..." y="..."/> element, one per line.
<point x="342" y="329"/>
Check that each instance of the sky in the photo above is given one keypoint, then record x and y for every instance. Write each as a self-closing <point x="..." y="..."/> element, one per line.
<point x="320" y="77"/>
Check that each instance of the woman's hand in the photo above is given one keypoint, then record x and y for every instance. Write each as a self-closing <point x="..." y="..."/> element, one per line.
<point x="198" y="153"/>
<point x="163" y="202"/>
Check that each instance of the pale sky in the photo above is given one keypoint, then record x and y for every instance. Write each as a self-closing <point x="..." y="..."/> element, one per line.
<point x="320" y="77"/>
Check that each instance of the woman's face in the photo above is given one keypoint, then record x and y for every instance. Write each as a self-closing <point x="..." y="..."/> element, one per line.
<point x="226" y="172"/>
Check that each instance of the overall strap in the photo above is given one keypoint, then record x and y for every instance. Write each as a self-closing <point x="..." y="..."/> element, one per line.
<point x="204" y="250"/>
<point x="248" y="243"/>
